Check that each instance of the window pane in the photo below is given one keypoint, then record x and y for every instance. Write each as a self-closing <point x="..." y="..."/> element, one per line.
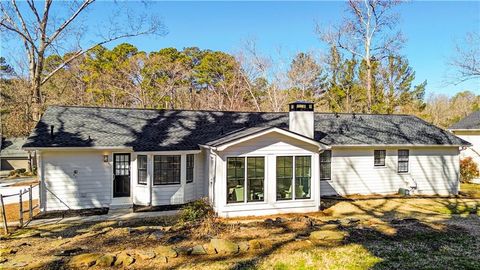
<point x="190" y="167"/>
<point x="235" y="179"/>
<point x="142" y="169"/>
<point x="255" y="178"/>
<point x="284" y="178"/>
<point x="403" y="155"/>
<point x="302" y="177"/>
<point x="166" y="170"/>
<point x="379" y="157"/>
<point x="326" y="165"/>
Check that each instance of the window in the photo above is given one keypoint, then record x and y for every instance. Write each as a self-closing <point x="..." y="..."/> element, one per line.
<point x="142" y="169"/>
<point x="302" y="177"/>
<point x="245" y="183"/>
<point x="289" y="168"/>
<point x="284" y="178"/>
<point x="379" y="157"/>
<point x="235" y="179"/>
<point x="166" y="170"/>
<point x="403" y="160"/>
<point x="190" y="167"/>
<point x="326" y="165"/>
<point x="255" y="178"/>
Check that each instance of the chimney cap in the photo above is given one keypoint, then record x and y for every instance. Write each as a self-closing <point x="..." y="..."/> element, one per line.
<point x="301" y="106"/>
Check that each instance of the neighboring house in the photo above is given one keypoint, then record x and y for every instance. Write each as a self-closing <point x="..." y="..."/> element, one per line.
<point x="12" y="156"/>
<point x="469" y="129"/>
<point x="246" y="163"/>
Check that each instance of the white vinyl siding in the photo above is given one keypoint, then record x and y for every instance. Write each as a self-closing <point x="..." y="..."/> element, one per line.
<point x="433" y="170"/>
<point x="89" y="187"/>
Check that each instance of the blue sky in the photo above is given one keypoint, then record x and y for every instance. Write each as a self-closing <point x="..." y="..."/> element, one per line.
<point x="431" y="29"/>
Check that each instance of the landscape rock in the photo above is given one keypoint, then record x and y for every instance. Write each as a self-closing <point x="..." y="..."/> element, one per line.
<point x="327" y="235"/>
<point x="7" y="251"/>
<point x="156" y="235"/>
<point x="279" y="220"/>
<point x="256" y="244"/>
<point x="209" y="249"/>
<point x="223" y="246"/>
<point x="243" y="246"/>
<point x="124" y="258"/>
<point x="176" y="238"/>
<point x="86" y="259"/>
<point x="68" y="252"/>
<point x="46" y="234"/>
<point x="146" y="255"/>
<point x="183" y="250"/>
<point x="198" y="250"/>
<point x="268" y="221"/>
<point x="105" y="260"/>
<point x="166" y="252"/>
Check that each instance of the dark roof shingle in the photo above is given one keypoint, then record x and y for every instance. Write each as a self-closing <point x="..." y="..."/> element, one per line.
<point x="167" y="130"/>
<point x="471" y="121"/>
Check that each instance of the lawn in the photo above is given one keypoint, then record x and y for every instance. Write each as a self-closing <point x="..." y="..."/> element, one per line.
<point x="410" y="233"/>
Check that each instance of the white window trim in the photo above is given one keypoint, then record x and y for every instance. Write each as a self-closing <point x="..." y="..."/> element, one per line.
<point x="293" y="178"/>
<point x="245" y="201"/>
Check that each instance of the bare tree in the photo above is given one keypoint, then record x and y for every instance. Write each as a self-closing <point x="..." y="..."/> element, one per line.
<point x="466" y="61"/>
<point x="366" y="34"/>
<point x="41" y="32"/>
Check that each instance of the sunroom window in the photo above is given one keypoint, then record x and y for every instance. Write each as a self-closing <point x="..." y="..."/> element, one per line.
<point x="190" y="167"/>
<point x="294" y="177"/>
<point x="245" y="179"/>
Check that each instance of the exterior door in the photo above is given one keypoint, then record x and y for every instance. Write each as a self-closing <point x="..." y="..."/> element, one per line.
<point x="121" y="174"/>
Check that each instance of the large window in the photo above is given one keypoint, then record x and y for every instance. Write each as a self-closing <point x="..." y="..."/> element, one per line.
<point x="245" y="183"/>
<point x="294" y="177"/>
<point x="326" y="165"/>
<point x="255" y="178"/>
<point x="166" y="170"/>
<point x="303" y="168"/>
<point x="284" y="178"/>
<point x="190" y="167"/>
<point x="142" y="169"/>
<point x="236" y="179"/>
<point x="403" y="160"/>
<point x="379" y="157"/>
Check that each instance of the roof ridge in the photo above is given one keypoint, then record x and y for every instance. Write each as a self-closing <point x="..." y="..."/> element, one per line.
<point x="221" y="111"/>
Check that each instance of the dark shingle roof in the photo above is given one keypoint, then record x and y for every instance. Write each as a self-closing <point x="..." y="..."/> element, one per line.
<point x="12" y="147"/>
<point x="471" y="121"/>
<point x="165" y="130"/>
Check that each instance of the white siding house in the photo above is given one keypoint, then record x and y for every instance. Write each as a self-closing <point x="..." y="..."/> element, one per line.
<point x="468" y="129"/>
<point x="244" y="163"/>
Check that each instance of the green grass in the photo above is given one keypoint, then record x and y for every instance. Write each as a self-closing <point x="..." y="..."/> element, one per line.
<point x="471" y="190"/>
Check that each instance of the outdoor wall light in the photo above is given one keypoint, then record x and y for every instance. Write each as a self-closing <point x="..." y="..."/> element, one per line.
<point x="105" y="158"/>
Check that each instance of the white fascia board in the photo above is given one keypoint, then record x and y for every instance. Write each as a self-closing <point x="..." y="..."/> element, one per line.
<point x="393" y="145"/>
<point x="278" y="130"/>
<point x="115" y="148"/>
<point x="177" y="152"/>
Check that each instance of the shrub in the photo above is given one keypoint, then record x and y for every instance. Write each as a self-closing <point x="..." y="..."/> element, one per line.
<point x="196" y="211"/>
<point x="468" y="170"/>
<point x="21" y="171"/>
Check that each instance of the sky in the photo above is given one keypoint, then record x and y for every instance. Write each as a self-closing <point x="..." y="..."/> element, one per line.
<point x="431" y="28"/>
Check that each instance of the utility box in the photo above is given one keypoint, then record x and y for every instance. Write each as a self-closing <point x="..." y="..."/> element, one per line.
<point x="403" y="191"/>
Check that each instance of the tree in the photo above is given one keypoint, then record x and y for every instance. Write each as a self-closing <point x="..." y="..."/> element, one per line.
<point x="306" y="76"/>
<point x="367" y="34"/>
<point x="466" y="61"/>
<point x="41" y="35"/>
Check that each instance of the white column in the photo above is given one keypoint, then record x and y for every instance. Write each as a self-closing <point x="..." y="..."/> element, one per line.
<point x="183" y="175"/>
<point x="150" y="178"/>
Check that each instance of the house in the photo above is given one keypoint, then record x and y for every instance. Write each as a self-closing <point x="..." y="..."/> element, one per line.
<point x="12" y="157"/>
<point x="469" y="129"/>
<point x="246" y="163"/>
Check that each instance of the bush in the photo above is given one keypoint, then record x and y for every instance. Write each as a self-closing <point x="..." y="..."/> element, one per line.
<point x="468" y="170"/>
<point x="196" y="211"/>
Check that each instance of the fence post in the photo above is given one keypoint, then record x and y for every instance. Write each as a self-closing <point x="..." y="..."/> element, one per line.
<point x="4" y="215"/>
<point x="30" y="208"/>
<point x="20" y="220"/>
